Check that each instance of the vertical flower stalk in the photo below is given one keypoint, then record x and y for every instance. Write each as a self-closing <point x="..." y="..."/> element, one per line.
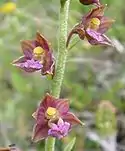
<point x="62" y="51"/>
<point x="61" y="61"/>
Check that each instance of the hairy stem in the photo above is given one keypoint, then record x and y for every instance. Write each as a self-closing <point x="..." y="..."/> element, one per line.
<point x="61" y="61"/>
<point x="62" y="51"/>
<point x="49" y="144"/>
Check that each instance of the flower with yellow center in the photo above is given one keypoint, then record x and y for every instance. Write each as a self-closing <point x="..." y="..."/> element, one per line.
<point x="53" y="118"/>
<point x="37" y="56"/>
<point x="8" y="8"/>
<point x="51" y="113"/>
<point x="94" y="23"/>
<point x="93" y="26"/>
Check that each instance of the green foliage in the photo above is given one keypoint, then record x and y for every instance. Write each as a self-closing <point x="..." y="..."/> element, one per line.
<point x="70" y="145"/>
<point x="105" y="121"/>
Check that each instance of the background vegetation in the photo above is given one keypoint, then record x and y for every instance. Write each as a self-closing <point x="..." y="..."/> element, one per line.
<point x="92" y="74"/>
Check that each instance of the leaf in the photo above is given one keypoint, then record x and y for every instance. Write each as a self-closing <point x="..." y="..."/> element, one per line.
<point x="71" y="144"/>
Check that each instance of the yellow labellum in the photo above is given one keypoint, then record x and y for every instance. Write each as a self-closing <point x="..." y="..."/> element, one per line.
<point x="94" y="23"/>
<point x="51" y="111"/>
<point x="8" y="7"/>
<point x="38" y="50"/>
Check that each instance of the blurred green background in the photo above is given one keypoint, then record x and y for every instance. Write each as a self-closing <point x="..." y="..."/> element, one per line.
<point x="92" y="74"/>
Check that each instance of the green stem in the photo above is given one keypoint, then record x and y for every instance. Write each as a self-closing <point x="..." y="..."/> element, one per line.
<point x="61" y="61"/>
<point x="62" y="51"/>
<point x="49" y="144"/>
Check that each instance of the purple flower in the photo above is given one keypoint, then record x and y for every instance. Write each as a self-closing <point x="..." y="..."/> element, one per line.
<point x="88" y="2"/>
<point x="48" y="113"/>
<point x="60" y="129"/>
<point x="93" y="26"/>
<point x="37" y="56"/>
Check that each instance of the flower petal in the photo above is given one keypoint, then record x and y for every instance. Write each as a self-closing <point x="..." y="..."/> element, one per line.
<point x="71" y="118"/>
<point x="27" y="47"/>
<point x="96" y="38"/>
<point x="42" y="41"/>
<point x="40" y="132"/>
<point x="48" y="101"/>
<point x="48" y="64"/>
<point x="105" y="24"/>
<point x="59" y="130"/>
<point x="97" y="12"/>
<point x="62" y="106"/>
<point x="34" y="115"/>
<point x="39" y="115"/>
<point x="27" y="65"/>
